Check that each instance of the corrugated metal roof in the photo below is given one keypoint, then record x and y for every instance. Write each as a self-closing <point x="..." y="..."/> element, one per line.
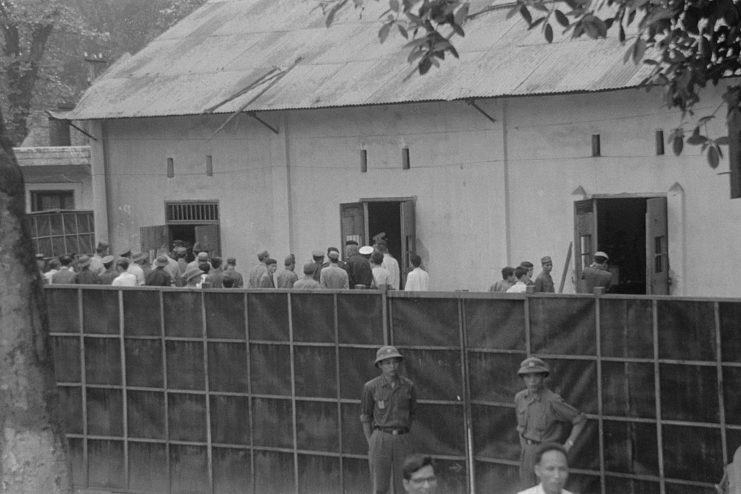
<point x="228" y="45"/>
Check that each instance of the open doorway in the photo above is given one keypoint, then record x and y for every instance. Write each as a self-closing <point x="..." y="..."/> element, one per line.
<point x="361" y="221"/>
<point x="621" y="230"/>
<point x="633" y="233"/>
<point x="384" y="219"/>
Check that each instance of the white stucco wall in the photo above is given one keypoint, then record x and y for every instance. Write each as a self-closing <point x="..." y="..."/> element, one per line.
<point x="282" y="192"/>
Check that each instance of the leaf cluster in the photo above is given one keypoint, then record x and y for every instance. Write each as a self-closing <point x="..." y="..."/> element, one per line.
<point x="687" y="43"/>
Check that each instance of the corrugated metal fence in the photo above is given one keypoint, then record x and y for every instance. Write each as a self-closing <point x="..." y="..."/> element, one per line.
<point x="172" y="390"/>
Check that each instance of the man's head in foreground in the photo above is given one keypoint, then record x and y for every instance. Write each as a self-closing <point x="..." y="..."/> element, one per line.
<point x="419" y="475"/>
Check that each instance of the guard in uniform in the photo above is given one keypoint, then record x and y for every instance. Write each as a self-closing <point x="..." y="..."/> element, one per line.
<point x="388" y="406"/>
<point x="542" y="417"/>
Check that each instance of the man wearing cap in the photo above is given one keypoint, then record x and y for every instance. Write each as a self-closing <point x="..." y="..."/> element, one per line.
<point x="596" y="274"/>
<point x="232" y="278"/>
<point x="342" y="264"/>
<point x="287" y="277"/>
<point x="542" y="416"/>
<point x="96" y="262"/>
<point x="387" y="409"/>
<point x="266" y="280"/>
<point x="544" y="282"/>
<point x="159" y="276"/>
<point x="253" y="280"/>
<point x="318" y="257"/>
<point x="358" y="266"/>
<point x="86" y="275"/>
<point x="110" y="272"/>
<point x="307" y="282"/>
<point x="333" y="276"/>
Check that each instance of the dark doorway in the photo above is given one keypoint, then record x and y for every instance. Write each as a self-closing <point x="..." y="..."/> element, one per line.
<point x="621" y="230"/>
<point x="633" y="232"/>
<point x="385" y="217"/>
<point x="184" y="233"/>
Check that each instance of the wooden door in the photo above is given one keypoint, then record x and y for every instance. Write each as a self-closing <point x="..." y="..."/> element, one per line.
<point x="408" y="238"/>
<point x="657" y="252"/>
<point x="153" y="238"/>
<point x="207" y="237"/>
<point x="585" y="237"/>
<point x="352" y="223"/>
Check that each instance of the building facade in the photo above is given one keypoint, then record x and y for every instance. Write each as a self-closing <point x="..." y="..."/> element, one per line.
<point x="476" y="178"/>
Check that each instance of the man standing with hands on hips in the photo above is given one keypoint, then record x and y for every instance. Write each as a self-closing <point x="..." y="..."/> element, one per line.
<point x="388" y="405"/>
<point x="542" y="417"/>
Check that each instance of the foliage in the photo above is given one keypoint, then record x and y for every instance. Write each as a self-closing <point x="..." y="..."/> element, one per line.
<point x="44" y="44"/>
<point x="687" y="43"/>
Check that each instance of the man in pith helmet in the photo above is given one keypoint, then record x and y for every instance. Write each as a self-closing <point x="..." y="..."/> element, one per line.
<point x="388" y="406"/>
<point x="542" y="417"/>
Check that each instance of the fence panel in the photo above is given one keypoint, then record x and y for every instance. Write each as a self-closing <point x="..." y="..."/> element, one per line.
<point x="228" y="391"/>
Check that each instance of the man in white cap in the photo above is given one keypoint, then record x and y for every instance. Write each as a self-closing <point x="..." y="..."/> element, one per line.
<point x="358" y="266"/>
<point x="387" y="409"/>
<point x="596" y="274"/>
<point x="542" y="417"/>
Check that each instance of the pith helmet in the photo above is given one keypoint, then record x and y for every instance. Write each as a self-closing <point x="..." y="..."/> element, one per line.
<point x="387" y="352"/>
<point x="533" y="365"/>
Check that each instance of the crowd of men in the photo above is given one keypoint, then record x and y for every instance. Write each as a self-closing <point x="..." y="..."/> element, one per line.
<point x="363" y="267"/>
<point x="520" y="279"/>
<point x="371" y="267"/>
<point x="547" y="427"/>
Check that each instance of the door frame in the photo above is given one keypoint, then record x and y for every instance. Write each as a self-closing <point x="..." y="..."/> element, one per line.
<point x="596" y="197"/>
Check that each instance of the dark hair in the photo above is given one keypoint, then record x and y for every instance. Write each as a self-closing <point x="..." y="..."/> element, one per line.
<point x="54" y="263"/>
<point x="520" y="271"/>
<point x="216" y="262"/>
<point x="526" y="264"/>
<point x="415" y="260"/>
<point x="377" y="258"/>
<point x="123" y="262"/>
<point x="65" y="260"/>
<point x="228" y="282"/>
<point x="415" y="463"/>
<point x="270" y="261"/>
<point x="507" y="272"/>
<point x="204" y="266"/>
<point x="330" y="249"/>
<point x="546" y="447"/>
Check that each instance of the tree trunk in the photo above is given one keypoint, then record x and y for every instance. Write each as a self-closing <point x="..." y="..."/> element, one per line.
<point x="33" y="455"/>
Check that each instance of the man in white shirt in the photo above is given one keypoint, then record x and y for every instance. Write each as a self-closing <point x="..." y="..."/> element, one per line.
<point x="521" y="273"/>
<point x="417" y="280"/>
<point x="551" y="468"/>
<point x="391" y="265"/>
<point x="124" y="278"/>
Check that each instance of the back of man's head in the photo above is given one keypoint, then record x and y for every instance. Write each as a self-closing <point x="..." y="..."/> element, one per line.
<point x="507" y="272"/>
<point x="520" y="272"/>
<point x="216" y="262"/>
<point x="65" y="260"/>
<point x="415" y="260"/>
